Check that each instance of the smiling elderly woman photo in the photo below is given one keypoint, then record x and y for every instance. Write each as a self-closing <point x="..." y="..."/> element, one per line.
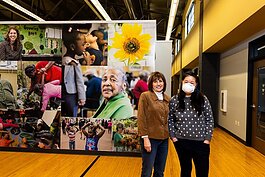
<point x="116" y="104"/>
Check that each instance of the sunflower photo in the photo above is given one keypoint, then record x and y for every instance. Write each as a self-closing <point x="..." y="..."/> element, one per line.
<point x="131" y="44"/>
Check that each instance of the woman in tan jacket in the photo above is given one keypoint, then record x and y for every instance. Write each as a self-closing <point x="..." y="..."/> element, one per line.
<point x="153" y="126"/>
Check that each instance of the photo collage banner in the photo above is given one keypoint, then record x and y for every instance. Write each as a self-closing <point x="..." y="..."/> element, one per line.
<point x="69" y="86"/>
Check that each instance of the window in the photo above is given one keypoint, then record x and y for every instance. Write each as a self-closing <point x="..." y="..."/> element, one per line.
<point x="177" y="46"/>
<point x="189" y="22"/>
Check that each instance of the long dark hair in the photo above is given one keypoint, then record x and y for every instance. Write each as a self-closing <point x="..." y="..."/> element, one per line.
<point x="17" y="42"/>
<point x="197" y="98"/>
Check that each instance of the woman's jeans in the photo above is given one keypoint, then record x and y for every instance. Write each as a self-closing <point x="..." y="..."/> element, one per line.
<point x="156" y="158"/>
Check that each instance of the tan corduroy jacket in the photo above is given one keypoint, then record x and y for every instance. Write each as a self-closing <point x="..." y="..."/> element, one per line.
<point x="152" y="116"/>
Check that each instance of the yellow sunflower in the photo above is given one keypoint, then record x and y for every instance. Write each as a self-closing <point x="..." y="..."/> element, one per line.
<point x="131" y="43"/>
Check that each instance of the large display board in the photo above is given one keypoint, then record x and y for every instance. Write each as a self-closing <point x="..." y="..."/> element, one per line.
<point x="69" y="87"/>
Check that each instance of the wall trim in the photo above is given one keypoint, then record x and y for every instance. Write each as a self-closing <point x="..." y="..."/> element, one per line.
<point x="233" y="135"/>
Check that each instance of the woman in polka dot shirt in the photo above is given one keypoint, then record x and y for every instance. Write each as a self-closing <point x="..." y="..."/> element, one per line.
<point x="191" y="126"/>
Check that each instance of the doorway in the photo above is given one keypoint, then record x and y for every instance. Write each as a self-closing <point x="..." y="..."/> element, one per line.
<point x="258" y="106"/>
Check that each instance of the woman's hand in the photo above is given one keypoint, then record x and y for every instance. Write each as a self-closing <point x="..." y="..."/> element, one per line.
<point x="147" y="144"/>
<point x="88" y="58"/>
<point x="174" y="139"/>
<point x="92" y="59"/>
<point x="81" y="102"/>
<point x="105" y="46"/>
<point x="42" y="70"/>
<point x="206" y="142"/>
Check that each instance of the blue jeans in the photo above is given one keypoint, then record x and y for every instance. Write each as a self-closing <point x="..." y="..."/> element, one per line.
<point x="156" y="158"/>
<point x="72" y="145"/>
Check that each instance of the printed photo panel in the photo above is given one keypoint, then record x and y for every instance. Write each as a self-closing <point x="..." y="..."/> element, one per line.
<point x="40" y="88"/>
<point x="108" y="111"/>
<point x="125" y="135"/>
<point x="94" y="39"/>
<point x="29" y="116"/>
<point x="30" y="41"/>
<point x="87" y="134"/>
<point x="22" y="129"/>
<point x="131" y="44"/>
<point x="70" y="86"/>
<point x="98" y="134"/>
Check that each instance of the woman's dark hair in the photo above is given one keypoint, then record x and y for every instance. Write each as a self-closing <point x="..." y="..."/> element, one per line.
<point x="197" y="98"/>
<point x="154" y="76"/>
<point x="17" y="42"/>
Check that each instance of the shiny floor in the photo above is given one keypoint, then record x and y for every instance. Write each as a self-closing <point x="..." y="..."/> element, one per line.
<point x="229" y="158"/>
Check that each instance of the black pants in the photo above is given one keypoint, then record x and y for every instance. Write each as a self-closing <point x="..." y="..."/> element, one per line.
<point x="197" y="151"/>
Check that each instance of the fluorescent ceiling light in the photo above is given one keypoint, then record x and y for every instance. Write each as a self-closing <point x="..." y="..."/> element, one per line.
<point x="101" y="10"/>
<point x="171" y="19"/>
<point x="23" y="10"/>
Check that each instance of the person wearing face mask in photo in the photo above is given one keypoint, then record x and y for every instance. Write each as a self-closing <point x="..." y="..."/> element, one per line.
<point x="191" y="126"/>
<point x="116" y="104"/>
<point x="11" y="47"/>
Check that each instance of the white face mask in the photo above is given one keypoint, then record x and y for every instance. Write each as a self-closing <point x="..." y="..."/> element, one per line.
<point x="188" y="88"/>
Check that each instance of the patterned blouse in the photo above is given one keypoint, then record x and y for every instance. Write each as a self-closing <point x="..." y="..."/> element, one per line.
<point x="188" y="124"/>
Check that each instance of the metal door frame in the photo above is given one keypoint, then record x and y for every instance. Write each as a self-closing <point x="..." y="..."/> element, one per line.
<point x="254" y="55"/>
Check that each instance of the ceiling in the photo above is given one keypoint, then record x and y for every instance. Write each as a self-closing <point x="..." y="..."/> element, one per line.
<point x="67" y="10"/>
